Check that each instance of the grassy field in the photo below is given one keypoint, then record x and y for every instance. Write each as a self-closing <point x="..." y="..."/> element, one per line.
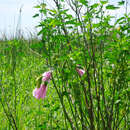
<point x="19" y="68"/>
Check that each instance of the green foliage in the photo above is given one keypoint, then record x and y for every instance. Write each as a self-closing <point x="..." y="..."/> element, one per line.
<point x="97" y="100"/>
<point x="121" y="2"/>
<point x="111" y="7"/>
<point x="103" y="2"/>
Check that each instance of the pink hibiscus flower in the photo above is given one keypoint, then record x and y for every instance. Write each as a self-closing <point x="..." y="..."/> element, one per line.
<point x="41" y="92"/>
<point x="47" y="76"/>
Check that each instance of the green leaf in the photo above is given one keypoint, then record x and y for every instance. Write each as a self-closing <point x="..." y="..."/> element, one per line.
<point x="103" y="2"/>
<point x="112" y="7"/>
<point x="118" y="20"/>
<point x="94" y="5"/>
<point x="64" y="11"/>
<point x="84" y="2"/>
<point x="43" y="11"/>
<point x="43" y="5"/>
<point x="121" y="2"/>
<point x="69" y="16"/>
<point x="36" y="15"/>
<point x="37" y="6"/>
<point x="43" y="31"/>
<point x="70" y="22"/>
<point x="97" y="25"/>
<point x="53" y="11"/>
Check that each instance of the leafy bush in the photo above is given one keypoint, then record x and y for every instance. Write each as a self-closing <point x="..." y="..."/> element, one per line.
<point x="77" y="32"/>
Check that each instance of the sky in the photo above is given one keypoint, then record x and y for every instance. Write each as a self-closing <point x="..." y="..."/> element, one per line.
<point x="9" y="15"/>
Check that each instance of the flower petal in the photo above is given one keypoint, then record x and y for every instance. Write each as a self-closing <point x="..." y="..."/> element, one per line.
<point x="40" y="92"/>
<point x="80" y="71"/>
<point x="47" y="76"/>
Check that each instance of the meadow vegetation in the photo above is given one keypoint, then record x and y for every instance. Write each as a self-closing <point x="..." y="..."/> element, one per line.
<point x="74" y="34"/>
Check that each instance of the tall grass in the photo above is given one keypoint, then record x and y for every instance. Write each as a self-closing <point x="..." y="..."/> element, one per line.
<point x="19" y="67"/>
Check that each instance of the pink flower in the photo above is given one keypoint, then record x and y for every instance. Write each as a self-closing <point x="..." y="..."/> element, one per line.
<point x="80" y="71"/>
<point x="47" y="76"/>
<point x="40" y="92"/>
